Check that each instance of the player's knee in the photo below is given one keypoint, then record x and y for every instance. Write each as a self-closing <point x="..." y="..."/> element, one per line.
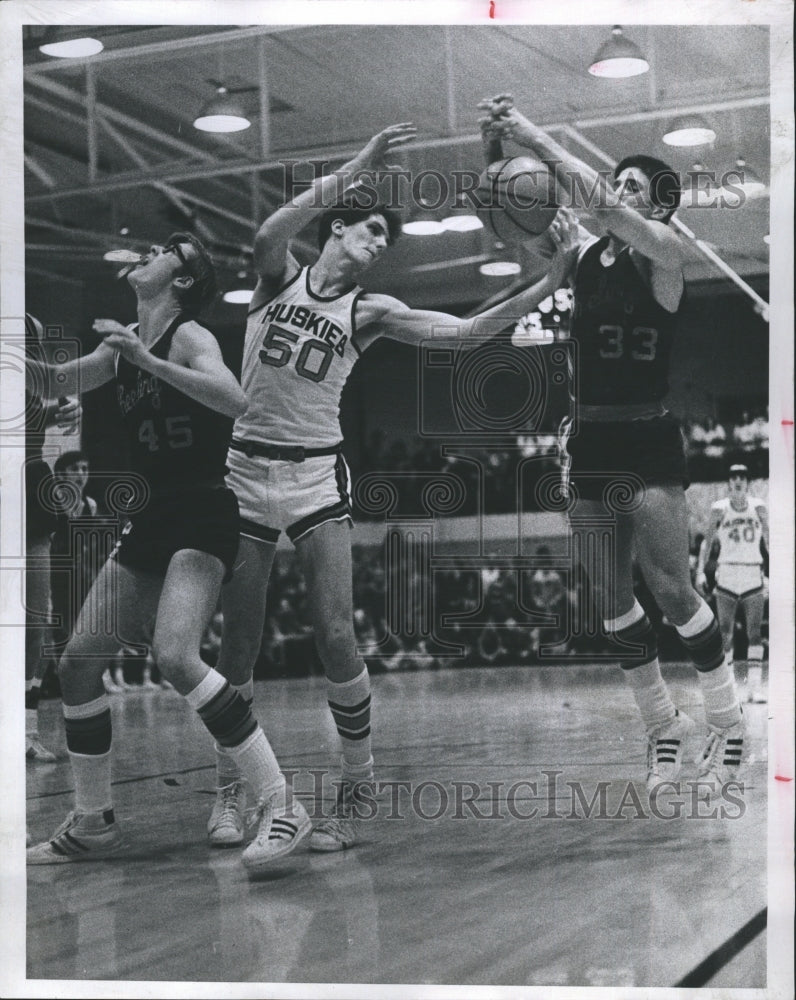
<point x="171" y="658"/>
<point x="675" y="597"/>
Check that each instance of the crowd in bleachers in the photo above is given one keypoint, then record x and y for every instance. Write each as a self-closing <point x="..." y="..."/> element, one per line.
<point x="500" y="604"/>
<point x="711" y="447"/>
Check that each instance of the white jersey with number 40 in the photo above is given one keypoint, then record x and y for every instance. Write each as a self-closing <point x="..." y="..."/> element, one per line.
<point x="739" y="531"/>
<point x="297" y="355"/>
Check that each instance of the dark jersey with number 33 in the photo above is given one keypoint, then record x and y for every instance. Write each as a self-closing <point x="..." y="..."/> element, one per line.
<point x="624" y="336"/>
<point x="174" y="441"/>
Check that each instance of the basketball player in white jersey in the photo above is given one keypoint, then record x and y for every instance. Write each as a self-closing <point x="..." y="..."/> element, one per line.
<point x="306" y="329"/>
<point x="740" y="522"/>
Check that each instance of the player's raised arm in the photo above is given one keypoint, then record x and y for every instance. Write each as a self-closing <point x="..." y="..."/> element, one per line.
<point x="273" y="238"/>
<point x="614" y="208"/>
<point x="382" y="315"/>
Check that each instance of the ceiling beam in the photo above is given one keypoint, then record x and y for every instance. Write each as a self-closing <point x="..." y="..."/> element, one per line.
<point x="38" y="171"/>
<point x="135" y="125"/>
<point x="165" y="49"/>
<point x="170" y="193"/>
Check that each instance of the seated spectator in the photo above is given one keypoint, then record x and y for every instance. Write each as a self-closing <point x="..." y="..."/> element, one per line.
<point x="751" y="434"/>
<point x="708" y="439"/>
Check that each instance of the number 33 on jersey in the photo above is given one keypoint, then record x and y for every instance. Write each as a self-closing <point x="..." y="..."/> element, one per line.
<point x="298" y="354"/>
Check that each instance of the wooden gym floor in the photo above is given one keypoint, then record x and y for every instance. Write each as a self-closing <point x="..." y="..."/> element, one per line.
<point x="439" y="891"/>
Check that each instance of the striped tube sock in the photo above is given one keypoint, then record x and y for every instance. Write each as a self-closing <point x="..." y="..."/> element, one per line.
<point x="349" y="702"/>
<point x="229" y="719"/>
<point x="88" y="740"/>
<point x="227" y="770"/>
<point x="701" y="637"/>
<point x="642" y="670"/>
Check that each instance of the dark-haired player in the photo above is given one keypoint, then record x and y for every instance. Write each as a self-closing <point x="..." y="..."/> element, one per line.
<point x="739" y="523"/>
<point x="628" y="290"/>
<point x="306" y="329"/>
<point x="177" y="399"/>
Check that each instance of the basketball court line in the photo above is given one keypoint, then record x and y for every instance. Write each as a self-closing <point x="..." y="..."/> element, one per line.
<point x="723" y="955"/>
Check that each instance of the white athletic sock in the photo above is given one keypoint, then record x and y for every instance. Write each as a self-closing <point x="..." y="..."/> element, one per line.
<point x="259" y="766"/>
<point x="651" y="694"/>
<point x="755" y="653"/>
<point x="92" y="782"/>
<point x="722" y="708"/>
<point x="31" y="722"/>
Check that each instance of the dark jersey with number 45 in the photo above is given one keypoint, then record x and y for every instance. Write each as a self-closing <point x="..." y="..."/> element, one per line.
<point x="174" y="441"/>
<point x="624" y="336"/>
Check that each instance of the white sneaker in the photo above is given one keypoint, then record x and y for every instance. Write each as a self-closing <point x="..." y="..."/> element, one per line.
<point x="339" y="831"/>
<point x="756" y="697"/>
<point x="81" y="837"/>
<point x="226" y="825"/>
<point x="281" y="830"/>
<point x="723" y="755"/>
<point x="665" y="748"/>
<point x="36" y="752"/>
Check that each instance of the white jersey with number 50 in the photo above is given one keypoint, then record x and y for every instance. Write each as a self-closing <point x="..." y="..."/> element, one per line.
<point x="299" y="351"/>
<point x="739" y="531"/>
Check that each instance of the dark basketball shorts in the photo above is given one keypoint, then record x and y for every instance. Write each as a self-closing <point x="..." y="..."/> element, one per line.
<point x="638" y="453"/>
<point x="204" y="518"/>
<point x="39" y="521"/>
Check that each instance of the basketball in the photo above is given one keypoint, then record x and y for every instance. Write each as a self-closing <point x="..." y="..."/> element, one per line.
<point x="516" y="199"/>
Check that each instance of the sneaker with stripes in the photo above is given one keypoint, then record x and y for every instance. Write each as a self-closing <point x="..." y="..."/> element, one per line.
<point x="665" y="748"/>
<point x="81" y="837"/>
<point x="723" y="755"/>
<point x="281" y="830"/>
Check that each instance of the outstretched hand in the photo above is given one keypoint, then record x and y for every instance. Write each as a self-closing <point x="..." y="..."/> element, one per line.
<point x="374" y="156"/>
<point x="564" y="234"/>
<point x="504" y="121"/>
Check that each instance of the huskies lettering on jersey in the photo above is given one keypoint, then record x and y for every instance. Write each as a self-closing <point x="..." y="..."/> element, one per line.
<point x="145" y="385"/>
<point x="307" y="320"/>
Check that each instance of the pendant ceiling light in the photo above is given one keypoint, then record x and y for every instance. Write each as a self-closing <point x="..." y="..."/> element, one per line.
<point x="618" y="57"/>
<point x="690" y="130"/>
<point x="223" y="113"/>
<point x="72" y="48"/>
